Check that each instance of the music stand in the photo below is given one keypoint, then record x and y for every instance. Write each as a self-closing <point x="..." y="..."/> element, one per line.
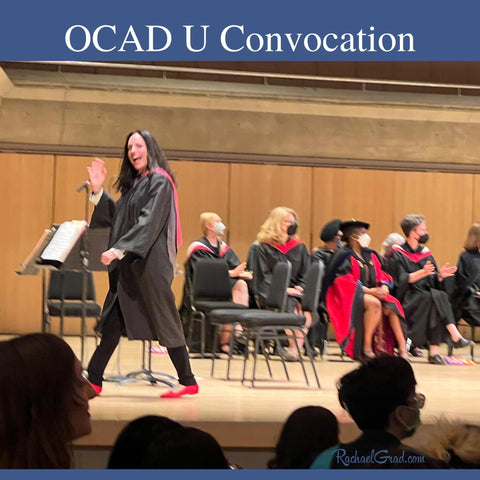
<point x="146" y="373"/>
<point x="73" y="252"/>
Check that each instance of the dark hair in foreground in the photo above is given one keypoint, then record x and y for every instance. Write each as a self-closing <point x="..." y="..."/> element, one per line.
<point x="372" y="391"/>
<point x="156" y="159"/>
<point x="37" y="378"/>
<point x="158" y="442"/>
<point x="307" y="432"/>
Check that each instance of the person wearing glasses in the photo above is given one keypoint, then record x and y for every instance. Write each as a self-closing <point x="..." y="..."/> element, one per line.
<point x="381" y="398"/>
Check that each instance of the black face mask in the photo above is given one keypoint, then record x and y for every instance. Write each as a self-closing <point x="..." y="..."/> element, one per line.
<point x="292" y="229"/>
<point x="423" y="238"/>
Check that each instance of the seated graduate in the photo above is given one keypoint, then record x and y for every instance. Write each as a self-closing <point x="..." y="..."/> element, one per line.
<point x="278" y="242"/>
<point x="364" y="315"/>
<point x="381" y="398"/>
<point x="419" y="285"/>
<point x="466" y="295"/>
<point x="392" y="239"/>
<point x="331" y="236"/>
<point x="211" y="245"/>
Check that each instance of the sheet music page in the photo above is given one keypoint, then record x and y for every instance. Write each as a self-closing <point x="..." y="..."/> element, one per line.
<point x="63" y="240"/>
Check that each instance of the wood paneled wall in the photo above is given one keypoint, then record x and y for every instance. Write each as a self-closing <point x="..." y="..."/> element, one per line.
<point x="41" y="190"/>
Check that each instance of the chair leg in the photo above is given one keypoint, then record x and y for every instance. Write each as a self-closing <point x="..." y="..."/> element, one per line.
<point x="202" y="337"/>
<point x="312" y="360"/>
<point x="257" y="345"/>
<point x="231" y="344"/>
<point x="278" y="346"/>
<point x="245" y="359"/>
<point x="266" y="355"/>
<point x="299" y="354"/>
<point x="197" y="316"/>
<point x="214" y="348"/>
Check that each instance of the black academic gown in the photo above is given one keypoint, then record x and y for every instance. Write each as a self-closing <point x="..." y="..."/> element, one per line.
<point x="426" y="305"/>
<point x="465" y="301"/>
<point x="143" y="223"/>
<point x="268" y="255"/>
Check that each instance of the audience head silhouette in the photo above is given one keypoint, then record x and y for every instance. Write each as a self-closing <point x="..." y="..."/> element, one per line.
<point x="307" y="432"/>
<point x="380" y="395"/>
<point x="44" y="402"/>
<point x="158" y="442"/>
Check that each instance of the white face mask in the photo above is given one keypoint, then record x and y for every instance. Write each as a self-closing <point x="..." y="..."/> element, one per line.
<point x="412" y="428"/>
<point x="364" y="240"/>
<point x="219" y="228"/>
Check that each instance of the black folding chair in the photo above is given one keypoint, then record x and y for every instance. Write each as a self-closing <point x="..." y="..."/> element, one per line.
<point x="65" y="300"/>
<point x="262" y="326"/>
<point x="211" y="289"/>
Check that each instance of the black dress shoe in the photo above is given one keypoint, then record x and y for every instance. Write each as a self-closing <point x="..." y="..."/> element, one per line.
<point x="436" y="360"/>
<point x="416" y="352"/>
<point x="462" y="342"/>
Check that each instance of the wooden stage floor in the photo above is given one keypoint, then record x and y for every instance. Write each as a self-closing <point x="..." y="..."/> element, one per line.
<point x="241" y="417"/>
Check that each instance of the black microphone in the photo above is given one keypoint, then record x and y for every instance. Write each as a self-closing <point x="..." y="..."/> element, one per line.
<point x="84" y="185"/>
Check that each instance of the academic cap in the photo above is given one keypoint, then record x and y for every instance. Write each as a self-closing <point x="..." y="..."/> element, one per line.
<point x="329" y="230"/>
<point x="349" y="225"/>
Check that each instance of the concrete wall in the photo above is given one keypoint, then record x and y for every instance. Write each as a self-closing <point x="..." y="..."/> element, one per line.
<point x="96" y="111"/>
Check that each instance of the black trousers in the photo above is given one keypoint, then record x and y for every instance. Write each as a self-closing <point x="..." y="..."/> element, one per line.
<point x="112" y="329"/>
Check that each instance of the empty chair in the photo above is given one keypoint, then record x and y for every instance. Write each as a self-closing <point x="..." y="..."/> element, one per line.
<point x="211" y="290"/>
<point x="65" y="297"/>
<point x="276" y="301"/>
<point x="264" y="325"/>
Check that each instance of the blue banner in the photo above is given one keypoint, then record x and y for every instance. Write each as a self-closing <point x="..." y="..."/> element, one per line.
<point x="185" y="30"/>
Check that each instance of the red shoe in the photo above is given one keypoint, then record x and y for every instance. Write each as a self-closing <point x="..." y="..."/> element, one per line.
<point x="180" y="391"/>
<point x="97" y="388"/>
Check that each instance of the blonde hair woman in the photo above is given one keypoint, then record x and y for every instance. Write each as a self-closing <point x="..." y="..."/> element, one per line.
<point x="279" y="242"/>
<point x="211" y="245"/>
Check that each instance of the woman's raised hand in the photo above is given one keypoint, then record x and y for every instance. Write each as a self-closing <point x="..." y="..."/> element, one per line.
<point x="97" y="174"/>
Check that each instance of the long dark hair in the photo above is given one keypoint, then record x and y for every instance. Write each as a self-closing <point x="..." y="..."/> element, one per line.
<point x="37" y="378"/>
<point x="307" y="432"/>
<point x="156" y="159"/>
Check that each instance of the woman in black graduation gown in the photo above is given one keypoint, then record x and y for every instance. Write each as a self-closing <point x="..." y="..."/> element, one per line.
<point x="278" y="242"/>
<point x="211" y="246"/>
<point x="144" y="236"/>
<point x="466" y="298"/>
<point x="419" y="285"/>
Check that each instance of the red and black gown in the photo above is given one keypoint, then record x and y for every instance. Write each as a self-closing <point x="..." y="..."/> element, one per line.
<point x="346" y="276"/>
